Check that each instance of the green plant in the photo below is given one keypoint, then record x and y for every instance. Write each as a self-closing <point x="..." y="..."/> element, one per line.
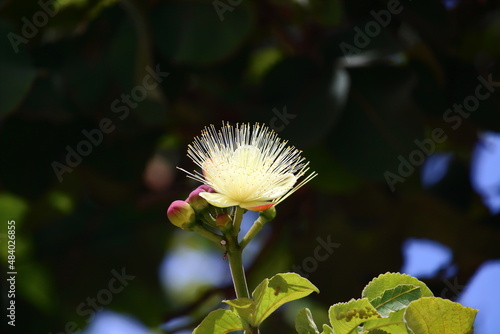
<point x="246" y="168"/>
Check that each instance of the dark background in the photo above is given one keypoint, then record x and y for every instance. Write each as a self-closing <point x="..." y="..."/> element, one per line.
<point x="353" y="117"/>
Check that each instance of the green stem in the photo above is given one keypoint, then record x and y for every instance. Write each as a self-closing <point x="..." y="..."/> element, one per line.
<point x="234" y="254"/>
<point x="238" y="217"/>
<point x="252" y="232"/>
<point x="207" y="234"/>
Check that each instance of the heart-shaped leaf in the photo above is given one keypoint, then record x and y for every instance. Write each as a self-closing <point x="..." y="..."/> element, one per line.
<point x="221" y="322"/>
<point x="387" y="281"/>
<point x="437" y="315"/>
<point x="280" y="289"/>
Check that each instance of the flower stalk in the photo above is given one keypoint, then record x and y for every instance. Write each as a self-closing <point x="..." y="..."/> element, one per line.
<point x="252" y="232"/>
<point x="238" y="217"/>
<point x="264" y="217"/>
<point x="234" y="255"/>
<point x="207" y="234"/>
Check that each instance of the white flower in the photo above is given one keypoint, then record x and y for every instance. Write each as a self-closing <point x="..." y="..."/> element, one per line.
<point x="247" y="166"/>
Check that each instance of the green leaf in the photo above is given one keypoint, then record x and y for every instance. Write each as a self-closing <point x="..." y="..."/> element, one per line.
<point x="16" y="71"/>
<point x="12" y="206"/>
<point x="394" y="324"/>
<point x="245" y="307"/>
<point x="395" y="299"/>
<point x="220" y="322"/>
<point x="261" y="61"/>
<point x="394" y="131"/>
<point x="299" y="88"/>
<point x="192" y="31"/>
<point x="327" y="13"/>
<point x="387" y="281"/>
<point x="304" y="323"/>
<point x="437" y="315"/>
<point x="346" y="317"/>
<point x="270" y="294"/>
<point x="327" y="330"/>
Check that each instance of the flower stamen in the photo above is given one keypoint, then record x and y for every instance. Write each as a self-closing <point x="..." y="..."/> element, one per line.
<point x="247" y="166"/>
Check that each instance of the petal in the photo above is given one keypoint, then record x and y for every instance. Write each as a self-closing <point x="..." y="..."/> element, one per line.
<point x="256" y="205"/>
<point x="281" y="187"/>
<point x="218" y="200"/>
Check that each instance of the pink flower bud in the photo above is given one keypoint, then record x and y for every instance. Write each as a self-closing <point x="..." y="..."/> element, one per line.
<point x="181" y="214"/>
<point x="196" y="201"/>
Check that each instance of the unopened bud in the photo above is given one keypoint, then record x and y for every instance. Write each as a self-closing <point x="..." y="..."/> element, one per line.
<point x="224" y="223"/>
<point x="268" y="214"/>
<point x="181" y="214"/>
<point x="197" y="202"/>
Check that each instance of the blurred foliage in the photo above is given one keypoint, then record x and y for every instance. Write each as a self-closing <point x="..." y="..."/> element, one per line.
<point x="274" y="62"/>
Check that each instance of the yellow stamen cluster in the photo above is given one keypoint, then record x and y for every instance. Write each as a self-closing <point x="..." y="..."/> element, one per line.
<point x="247" y="166"/>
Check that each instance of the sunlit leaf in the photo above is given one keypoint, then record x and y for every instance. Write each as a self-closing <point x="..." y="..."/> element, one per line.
<point x="387" y="281"/>
<point x="327" y="330"/>
<point x="220" y="322"/>
<point x="244" y="307"/>
<point x="435" y="315"/>
<point x="346" y="317"/>
<point x="394" y="324"/>
<point x="280" y="289"/>
<point x="304" y="323"/>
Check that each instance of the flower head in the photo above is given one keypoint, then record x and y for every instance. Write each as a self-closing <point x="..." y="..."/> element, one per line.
<point x="250" y="167"/>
